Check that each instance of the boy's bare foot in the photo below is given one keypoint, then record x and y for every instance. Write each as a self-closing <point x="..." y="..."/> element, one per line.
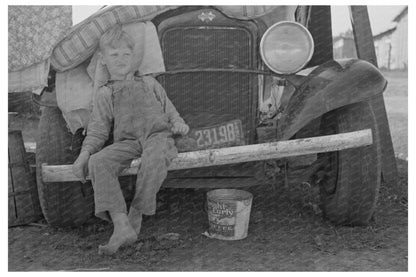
<point x="123" y="235"/>
<point x="135" y="218"/>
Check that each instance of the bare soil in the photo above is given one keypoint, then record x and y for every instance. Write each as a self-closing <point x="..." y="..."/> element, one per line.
<point x="286" y="232"/>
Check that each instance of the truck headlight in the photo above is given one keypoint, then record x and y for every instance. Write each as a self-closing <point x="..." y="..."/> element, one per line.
<point x="286" y="47"/>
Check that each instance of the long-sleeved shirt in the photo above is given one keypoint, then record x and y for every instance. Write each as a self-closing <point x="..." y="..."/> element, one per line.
<point x="137" y="108"/>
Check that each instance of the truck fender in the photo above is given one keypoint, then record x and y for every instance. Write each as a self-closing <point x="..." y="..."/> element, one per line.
<point x="332" y="85"/>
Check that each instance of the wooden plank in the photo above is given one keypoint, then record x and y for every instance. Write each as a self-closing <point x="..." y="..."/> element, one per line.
<point x="12" y="203"/>
<point x="363" y="35"/>
<point x="365" y="50"/>
<point x="25" y="208"/>
<point x="237" y="154"/>
<point x="18" y="174"/>
<point x="320" y="28"/>
<point x="11" y="188"/>
<point x="23" y="198"/>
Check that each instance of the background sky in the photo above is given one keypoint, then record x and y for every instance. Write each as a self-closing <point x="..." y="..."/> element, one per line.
<point x="79" y="13"/>
<point x="380" y="16"/>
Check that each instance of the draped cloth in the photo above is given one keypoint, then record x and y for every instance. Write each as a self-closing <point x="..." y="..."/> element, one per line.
<point x="33" y="78"/>
<point x="33" y="32"/>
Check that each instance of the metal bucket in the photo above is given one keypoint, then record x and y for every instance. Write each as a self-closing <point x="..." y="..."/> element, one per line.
<point x="229" y="213"/>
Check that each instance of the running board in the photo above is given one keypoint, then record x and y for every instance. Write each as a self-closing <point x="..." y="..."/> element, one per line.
<point x="237" y="154"/>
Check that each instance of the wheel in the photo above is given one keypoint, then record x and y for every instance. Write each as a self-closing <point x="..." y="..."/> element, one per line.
<point x="349" y="180"/>
<point x="67" y="203"/>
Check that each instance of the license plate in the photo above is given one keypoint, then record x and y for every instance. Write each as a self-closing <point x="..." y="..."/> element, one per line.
<point x="226" y="134"/>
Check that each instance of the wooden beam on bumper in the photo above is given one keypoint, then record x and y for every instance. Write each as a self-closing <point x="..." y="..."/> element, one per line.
<point x="237" y="154"/>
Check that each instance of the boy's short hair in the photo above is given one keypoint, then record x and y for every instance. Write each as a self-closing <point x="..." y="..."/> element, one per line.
<point x="114" y="36"/>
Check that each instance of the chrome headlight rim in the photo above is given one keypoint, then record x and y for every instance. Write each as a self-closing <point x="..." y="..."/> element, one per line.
<point x="271" y="29"/>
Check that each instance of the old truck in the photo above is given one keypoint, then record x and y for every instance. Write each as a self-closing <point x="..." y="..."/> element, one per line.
<point x="256" y="84"/>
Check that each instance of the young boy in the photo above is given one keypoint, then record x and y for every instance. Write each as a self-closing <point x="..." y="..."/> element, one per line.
<point x="144" y="120"/>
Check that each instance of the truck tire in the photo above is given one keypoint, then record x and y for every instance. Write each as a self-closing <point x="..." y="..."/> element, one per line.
<point x="349" y="180"/>
<point x="67" y="203"/>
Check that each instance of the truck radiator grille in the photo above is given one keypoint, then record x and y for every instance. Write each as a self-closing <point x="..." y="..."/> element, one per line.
<point x="222" y="96"/>
<point x="216" y="93"/>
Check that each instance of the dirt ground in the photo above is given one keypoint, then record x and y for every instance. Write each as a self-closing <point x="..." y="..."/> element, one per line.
<point x="286" y="231"/>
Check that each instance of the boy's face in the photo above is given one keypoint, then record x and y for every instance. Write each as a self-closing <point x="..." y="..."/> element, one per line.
<point x="118" y="60"/>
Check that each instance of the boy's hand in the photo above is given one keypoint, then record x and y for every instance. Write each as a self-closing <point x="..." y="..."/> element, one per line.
<point x="180" y="128"/>
<point x="80" y="166"/>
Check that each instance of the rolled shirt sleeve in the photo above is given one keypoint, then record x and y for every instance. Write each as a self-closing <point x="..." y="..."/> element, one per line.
<point x="100" y="122"/>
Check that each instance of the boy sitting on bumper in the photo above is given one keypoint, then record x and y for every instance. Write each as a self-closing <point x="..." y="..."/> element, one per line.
<point x="144" y="120"/>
